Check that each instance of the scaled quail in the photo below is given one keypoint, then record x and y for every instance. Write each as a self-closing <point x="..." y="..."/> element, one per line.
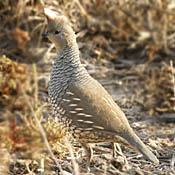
<point x="82" y="106"/>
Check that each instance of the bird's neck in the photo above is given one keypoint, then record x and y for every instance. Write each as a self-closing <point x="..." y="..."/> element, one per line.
<point x="68" y="56"/>
<point x="68" y="63"/>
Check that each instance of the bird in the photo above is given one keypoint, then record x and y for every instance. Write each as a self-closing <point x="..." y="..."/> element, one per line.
<point x="81" y="104"/>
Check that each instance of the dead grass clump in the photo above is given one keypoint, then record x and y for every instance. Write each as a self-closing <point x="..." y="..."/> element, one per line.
<point x="158" y="85"/>
<point x="5" y="160"/>
<point x="19" y="28"/>
<point x="25" y="141"/>
<point x="128" y="24"/>
<point x="19" y="131"/>
<point x="13" y="75"/>
<point x="131" y="23"/>
<point x="22" y="137"/>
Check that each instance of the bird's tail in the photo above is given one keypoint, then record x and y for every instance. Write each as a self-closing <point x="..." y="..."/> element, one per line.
<point x="135" y="141"/>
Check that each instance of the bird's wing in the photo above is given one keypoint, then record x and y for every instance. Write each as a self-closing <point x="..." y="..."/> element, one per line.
<point x="89" y="105"/>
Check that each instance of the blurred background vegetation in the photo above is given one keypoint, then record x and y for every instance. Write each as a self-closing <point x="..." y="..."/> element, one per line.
<point x="129" y="46"/>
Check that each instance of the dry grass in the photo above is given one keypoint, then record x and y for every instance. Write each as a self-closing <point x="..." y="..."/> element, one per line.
<point x="134" y="37"/>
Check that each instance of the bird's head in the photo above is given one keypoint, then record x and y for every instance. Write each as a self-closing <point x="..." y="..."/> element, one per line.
<point x="59" y="30"/>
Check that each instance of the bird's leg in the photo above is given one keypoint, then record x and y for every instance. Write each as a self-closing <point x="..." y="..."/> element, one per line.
<point x="89" y="153"/>
<point x="116" y="149"/>
<point x="113" y="149"/>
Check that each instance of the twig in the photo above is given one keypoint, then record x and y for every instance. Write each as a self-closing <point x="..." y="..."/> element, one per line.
<point x="173" y="80"/>
<point x="82" y="8"/>
<point x="172" y="162"/>
<point x="43" y="134"/>
<point x="74" y="163"/>
<point x="35" y="85"/>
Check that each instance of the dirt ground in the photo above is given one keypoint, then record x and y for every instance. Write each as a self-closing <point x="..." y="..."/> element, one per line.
<point x="128" y="46"/>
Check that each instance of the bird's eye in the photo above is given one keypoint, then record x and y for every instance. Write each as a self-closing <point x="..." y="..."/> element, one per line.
<point x="57" y="32"/>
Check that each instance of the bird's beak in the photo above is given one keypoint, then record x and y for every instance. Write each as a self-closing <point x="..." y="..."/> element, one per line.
<point x="45" y="34"/>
